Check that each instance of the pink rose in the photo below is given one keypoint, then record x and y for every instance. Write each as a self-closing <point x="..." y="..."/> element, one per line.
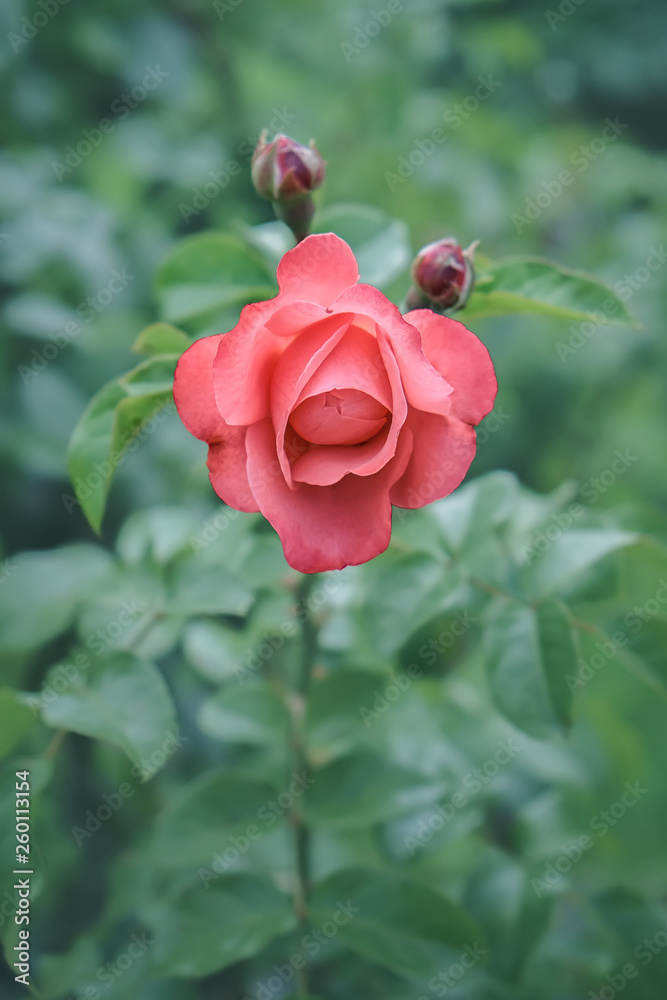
<point x="325" y="406"/>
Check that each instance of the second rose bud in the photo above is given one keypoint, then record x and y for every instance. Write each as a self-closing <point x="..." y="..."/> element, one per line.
<point x="443" y="276"/>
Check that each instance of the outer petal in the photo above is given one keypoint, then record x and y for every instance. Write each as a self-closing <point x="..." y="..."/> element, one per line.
<point x="324" y="527"/>
<point x="318" y="269"/>
<point x="227" y="470"/>
<point x="425" y="388"/>
<point x="244" y="363"/>
<point x="293" y="316"/>
<point x="195" y="401"/>
<point x="462" y="359"/>
<point x="443" y="448"/>
<point x="193" y="389"/>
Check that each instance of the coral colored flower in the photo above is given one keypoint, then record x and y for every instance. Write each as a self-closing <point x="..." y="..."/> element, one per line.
<point x="324" y="406"/>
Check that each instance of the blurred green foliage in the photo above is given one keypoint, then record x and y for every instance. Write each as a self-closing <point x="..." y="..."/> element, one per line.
<point x="530" y="625"/>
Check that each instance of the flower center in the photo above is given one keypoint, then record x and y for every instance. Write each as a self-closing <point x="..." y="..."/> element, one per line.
<point x="339" y="416"/>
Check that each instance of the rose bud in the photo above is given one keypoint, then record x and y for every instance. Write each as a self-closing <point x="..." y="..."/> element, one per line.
<point x="284" y="169"/>
<point x="443" y="276"/>
<point x="286" y="173"/>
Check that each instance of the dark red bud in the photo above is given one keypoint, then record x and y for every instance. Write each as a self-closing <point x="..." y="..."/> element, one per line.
<point x="443" y="273"/>
<point x="283" y="169"/>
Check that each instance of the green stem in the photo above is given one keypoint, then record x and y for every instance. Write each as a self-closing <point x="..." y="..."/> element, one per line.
<point x="297" y="704"/>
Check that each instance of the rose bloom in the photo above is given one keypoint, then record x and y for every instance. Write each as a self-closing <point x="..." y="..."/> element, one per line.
<point x="324" y="406"/>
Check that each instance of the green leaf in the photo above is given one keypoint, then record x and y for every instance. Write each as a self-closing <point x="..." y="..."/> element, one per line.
<point x="380" y="244"/>
<point x="108" y="426"/>
<point x="122" y="700"/>
<point x="529" y="653"/>
<point x="532" y="285"/>
<point x="158" y="533"/>
<point x="646" y="640"/>
<point x="402" y="925"/>
<point x="216" y="651"/>
<point x="558" y="568"/>
<point x="408" y="593"/>
<point x="333" y="722"/>
<point x="45" y="589"/>
<point x="16" y="720"/>
<point x="208" y="272"/>
<point x="203" y="815"/>
<point x="161" y="338"/>
<point x="500" y="896"/>
<point x="208" y="590"/>
<point x="360" y="789"/>
<point x="635" y="922"/>
<point x="250" y="713"/>
<point x="206" y="929"/>
<point x="476" y="510"/>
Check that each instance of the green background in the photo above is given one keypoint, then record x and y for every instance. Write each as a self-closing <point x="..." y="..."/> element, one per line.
<point x="560" y="418"/>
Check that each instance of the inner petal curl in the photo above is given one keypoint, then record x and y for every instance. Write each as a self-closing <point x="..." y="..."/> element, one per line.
<point x="339" y="416"/>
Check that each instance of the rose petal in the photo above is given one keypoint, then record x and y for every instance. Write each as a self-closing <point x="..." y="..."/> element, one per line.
<point x="244" y="364"/>
<point x="354" y="363"/>
<point x="329" y="527"/>
<point x="425" y="388"/>
<point x="193" y="389"/>
<point x="300" y="359"/>
<point x="462" y="359"/>
<point x="442" y="451"/>
<point x="317" y="270"/>
<point x="227" y="470"/>
<point x="292" y="317"/>
<point x="326" y="465"/>
<point x="362" y="460"/>
<point x="339" y="417"/>
<point x="195" y="402"/>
